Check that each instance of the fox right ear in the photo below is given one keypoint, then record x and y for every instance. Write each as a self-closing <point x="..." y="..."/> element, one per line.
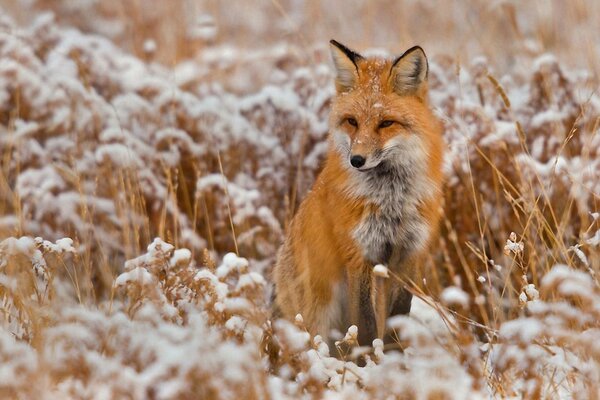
<point x="409" y="73"/>
<point x="346" y="68"/>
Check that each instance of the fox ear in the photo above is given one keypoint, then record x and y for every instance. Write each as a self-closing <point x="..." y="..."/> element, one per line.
<point x="346" y="68"/>
<point x="409" y="73"/>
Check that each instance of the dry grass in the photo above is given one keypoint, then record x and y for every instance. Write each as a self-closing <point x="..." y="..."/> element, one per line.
<point x="213" y="149"/>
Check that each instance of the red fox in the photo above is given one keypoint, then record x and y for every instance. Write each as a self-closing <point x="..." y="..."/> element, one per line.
<point x="377" y="200"/>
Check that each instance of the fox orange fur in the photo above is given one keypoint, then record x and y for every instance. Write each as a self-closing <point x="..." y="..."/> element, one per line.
<point x="377" y="200"/>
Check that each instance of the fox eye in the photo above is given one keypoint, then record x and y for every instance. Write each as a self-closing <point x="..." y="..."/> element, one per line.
<point x="385" y="124"/>
<point x="352" y="122"/>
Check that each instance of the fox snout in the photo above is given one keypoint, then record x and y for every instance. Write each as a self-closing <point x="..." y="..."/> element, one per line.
<point x="364" y="156"/>
<point x="365" y="161"/>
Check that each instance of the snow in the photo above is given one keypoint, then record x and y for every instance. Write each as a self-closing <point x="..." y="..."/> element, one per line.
<point x="513" y="246"/>
<point x="18" y="362"/>
<point x="205" y="28"/>
<point x="526" y="329"/>
<point x="378" y="348"/>
<point x="293" y="338"/>
<point x="137" y="275"/>
<point x="594" y="240"/>
<point x="381" y="271"/>
<point x="231" y="263"/>
<point x="352" y="331"/>
<point x="64" y="245"/>
<point x="532" y="292"/>
<point x="158" y="247"/>
<point x="529" y="294"/>
<point x="181" y="257"/>
<point x="236" y="324"/>
<point x="23" y="245"/>
<point x="251" y="280"/>
<point x="547" y="117"/>
<point x="560" y="273"/>
<point x="544" y="61"/>
<point x="454" y="295"/>
<point x="580" y="254"/>
<point x="117" y="154"/>
<point x="149" y="46"/>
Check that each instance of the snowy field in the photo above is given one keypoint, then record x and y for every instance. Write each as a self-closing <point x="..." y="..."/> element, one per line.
<point x="152" y="159"/>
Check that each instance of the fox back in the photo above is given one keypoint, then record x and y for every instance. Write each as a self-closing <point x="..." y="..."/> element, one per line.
<point x="377" y="200"/>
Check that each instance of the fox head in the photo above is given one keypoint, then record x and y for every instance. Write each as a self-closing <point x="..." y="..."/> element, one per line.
<point x="380" y="116"/>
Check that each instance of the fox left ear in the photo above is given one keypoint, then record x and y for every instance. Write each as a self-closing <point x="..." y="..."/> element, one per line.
<point x="345" y="61"/>
<point x="409" y="73"/>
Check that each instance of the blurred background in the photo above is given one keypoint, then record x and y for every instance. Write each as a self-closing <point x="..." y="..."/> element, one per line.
<point x="174" y="30"/>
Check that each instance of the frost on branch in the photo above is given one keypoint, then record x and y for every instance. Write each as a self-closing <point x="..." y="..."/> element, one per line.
<point x="559" y="336"/>
<point x="455" y="296"/>
<point x="381" y="271"/>
<point x="513" y="246"/>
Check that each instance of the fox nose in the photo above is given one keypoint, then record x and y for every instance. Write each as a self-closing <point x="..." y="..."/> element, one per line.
<point x="357" y="161"/>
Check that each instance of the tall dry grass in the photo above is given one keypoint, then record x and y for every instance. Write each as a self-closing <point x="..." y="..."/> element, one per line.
<point x="210" y="137"/>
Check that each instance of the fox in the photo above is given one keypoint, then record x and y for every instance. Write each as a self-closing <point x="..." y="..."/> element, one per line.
<point x="377" y="200"/>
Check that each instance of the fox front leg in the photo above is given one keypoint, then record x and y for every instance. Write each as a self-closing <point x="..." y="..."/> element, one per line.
<point x="401" y="302"/>
<point x="367" y="321"/>
<point x="400" y="305"/>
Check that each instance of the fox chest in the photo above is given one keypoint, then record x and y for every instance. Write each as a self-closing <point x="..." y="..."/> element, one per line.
<point x="395" y="227"/>
<point x="380" y="235"/>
